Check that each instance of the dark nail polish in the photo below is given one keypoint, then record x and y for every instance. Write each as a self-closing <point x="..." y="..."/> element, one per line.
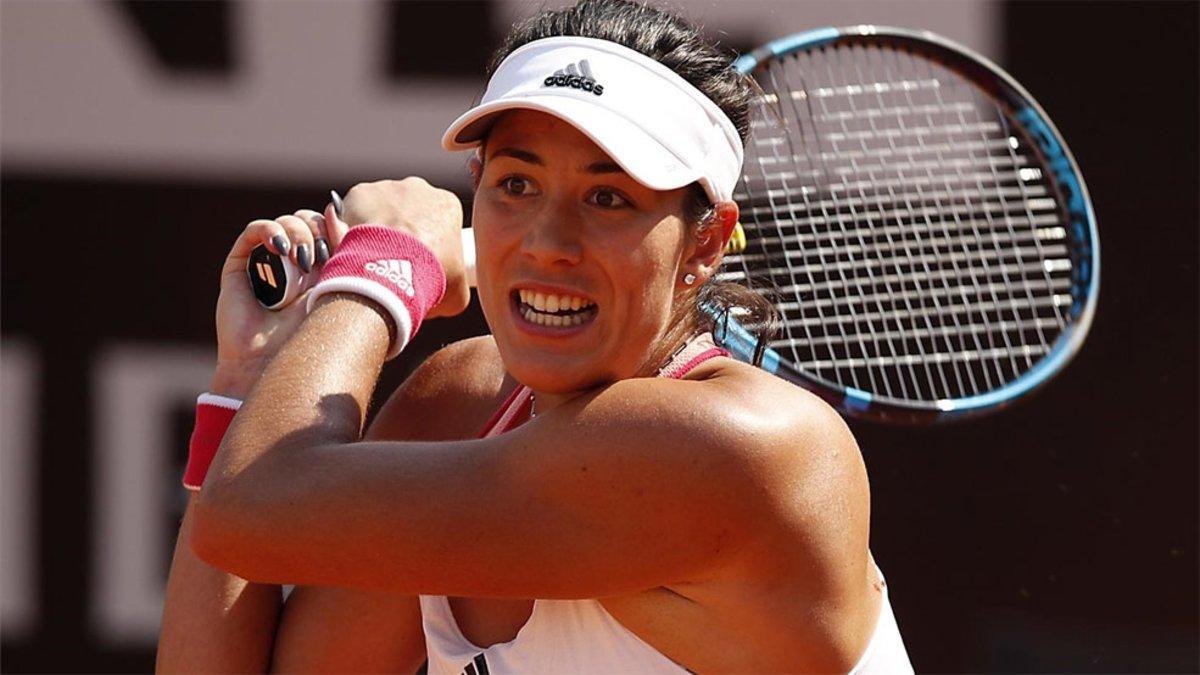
<point x="322" y="251"/>
<point x="338" y="207"/>
<point x="304" y="258"/>
<point x="281" y="244"/>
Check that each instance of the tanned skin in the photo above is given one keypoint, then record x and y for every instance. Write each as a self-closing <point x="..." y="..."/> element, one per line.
<point x="722" y="518"/>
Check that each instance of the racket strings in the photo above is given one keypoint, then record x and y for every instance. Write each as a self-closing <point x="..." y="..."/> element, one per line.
<point x="966" y="197"/>
<point x="929" y="303"/>
<point x="837" y="351"/>
<point x="916" y="249"/>
<point x="1027" y="282"/>
<point x="780" y="276"/>
<point x="836" y="68"/>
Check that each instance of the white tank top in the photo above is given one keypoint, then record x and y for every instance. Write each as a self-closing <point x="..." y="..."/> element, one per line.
<point x="580" y="636"/>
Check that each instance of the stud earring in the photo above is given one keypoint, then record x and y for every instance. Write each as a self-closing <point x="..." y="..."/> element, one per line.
<point x="689" y="278"/>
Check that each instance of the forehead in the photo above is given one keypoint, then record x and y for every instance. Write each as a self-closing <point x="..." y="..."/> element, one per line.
<point x="544" y="134"/>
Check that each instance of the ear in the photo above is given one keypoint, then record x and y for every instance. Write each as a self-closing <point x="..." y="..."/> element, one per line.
<point x="475" y="167"/>
<point x="709" y="247"/>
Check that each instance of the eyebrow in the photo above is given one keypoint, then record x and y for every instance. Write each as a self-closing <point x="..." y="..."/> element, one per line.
<point x="523" y="155"/>
<point x="603" y="166"/>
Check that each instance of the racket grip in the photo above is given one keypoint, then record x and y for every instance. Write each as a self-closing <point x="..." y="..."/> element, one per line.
<point x="277" y="281"/>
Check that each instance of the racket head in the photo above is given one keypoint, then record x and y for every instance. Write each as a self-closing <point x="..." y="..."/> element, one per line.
<point x="929" y="317"/>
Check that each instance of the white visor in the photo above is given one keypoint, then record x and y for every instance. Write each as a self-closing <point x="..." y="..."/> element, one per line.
<point x="660" y="129"/>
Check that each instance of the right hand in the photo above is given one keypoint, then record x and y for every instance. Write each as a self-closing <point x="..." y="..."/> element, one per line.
<point x="431" y="214"/>
<point x="248" y="335"/>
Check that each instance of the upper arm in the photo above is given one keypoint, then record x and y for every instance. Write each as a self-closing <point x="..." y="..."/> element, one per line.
<point x="645" y="483"/>
<point x="336" y="629"/>
<point x="661" y="482"/>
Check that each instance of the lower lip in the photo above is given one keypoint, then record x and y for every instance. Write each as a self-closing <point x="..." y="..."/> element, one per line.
<point x="538" y="329"/>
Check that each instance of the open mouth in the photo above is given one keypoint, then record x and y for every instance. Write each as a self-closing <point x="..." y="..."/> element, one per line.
<point x="553" y="310"/>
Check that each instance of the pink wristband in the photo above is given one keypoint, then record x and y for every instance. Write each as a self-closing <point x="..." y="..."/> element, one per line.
<point x="390" y="267"/>
<point x="213" y="415"/>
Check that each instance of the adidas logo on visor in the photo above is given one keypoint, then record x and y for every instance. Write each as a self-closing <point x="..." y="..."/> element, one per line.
<point x="575" y="76"/>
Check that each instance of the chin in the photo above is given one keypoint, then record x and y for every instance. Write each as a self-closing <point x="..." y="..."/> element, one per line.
<point x="550" y="371"/>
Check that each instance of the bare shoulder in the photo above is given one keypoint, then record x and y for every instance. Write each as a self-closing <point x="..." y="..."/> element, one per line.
<point x="779" y="452"/>
<point x="449" y="396"/>
<point x="804" y="456"/>
<point x="808" y="564"/>
<point x="785" y="422"/>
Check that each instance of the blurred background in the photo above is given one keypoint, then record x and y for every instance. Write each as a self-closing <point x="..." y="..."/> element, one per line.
<point x="138" y="138"/>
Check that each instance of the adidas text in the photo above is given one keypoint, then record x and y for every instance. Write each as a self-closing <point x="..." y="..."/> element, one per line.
<point x="575" y="76"/>
<point x="398" y="272"/>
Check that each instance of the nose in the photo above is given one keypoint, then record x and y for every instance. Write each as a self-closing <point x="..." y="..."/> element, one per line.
<point x="553" y="237"/>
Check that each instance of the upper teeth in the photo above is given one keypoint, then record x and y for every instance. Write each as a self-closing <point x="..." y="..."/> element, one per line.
<point x="544" y="302"/>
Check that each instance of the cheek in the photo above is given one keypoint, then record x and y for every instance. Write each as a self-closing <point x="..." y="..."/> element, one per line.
<point x="495" y="231"/>
<point x="649" y="275"/>
<point x="490" y="244"/>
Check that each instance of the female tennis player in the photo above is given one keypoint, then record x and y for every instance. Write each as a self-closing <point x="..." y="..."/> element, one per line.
<point x="594" y="486"/>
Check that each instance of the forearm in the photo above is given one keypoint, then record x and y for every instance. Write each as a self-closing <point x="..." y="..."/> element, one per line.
<point x="326" y="629"/>
<point x="214" y="621"/>
<point x="315" y="392"/>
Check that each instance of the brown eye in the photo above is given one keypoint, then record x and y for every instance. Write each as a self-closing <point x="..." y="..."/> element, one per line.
<point x="608" y="199"/>
<point x="515" y="185"/>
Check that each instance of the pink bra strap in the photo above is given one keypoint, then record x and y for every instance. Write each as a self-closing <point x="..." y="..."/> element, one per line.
<point x="515" y="408"/>
<point x="695" y="351"/>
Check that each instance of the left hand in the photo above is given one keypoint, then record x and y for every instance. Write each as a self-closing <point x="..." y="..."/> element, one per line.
<point x="248" y="335"/>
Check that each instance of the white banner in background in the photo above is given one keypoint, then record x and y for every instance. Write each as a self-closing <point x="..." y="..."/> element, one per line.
<point x="18" y="488"/>
<point x="136" y="390"/>
<point x="310" y="101"/>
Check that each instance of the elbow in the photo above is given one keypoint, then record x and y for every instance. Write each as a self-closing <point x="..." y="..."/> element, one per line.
<point x="236" y="527"/>
<point x="221" y="535"/>
<point x="211" y="537"/>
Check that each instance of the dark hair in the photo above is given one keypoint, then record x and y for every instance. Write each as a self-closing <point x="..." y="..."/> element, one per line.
<point x="681" y="47"/>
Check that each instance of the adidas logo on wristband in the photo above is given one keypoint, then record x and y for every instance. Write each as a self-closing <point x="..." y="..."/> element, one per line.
<point x="398" y="272"/>
<point x="413" y="281"/>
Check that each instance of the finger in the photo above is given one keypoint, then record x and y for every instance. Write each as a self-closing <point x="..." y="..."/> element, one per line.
<point x="458" y="292"/>
<point x="301" y="237"/>
<point x="261" y="232"/>
<point x="316" y="224"/>
<point x="456" y="299"/>
<point x="335" y="227"/>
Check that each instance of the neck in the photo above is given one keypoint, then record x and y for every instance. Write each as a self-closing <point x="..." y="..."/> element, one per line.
<point x="544" y="402"/>
<point x="670" y="344"/>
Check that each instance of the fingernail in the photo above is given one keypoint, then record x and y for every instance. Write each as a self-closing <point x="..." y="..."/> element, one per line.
<point x="281" y="244"/>
<point x="304" y="258"/>
<point x="322" y="251"/>
<point x="338" y="207"/>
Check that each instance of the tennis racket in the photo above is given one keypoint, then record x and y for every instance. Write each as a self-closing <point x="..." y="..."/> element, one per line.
<point x="918" y="222"/>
